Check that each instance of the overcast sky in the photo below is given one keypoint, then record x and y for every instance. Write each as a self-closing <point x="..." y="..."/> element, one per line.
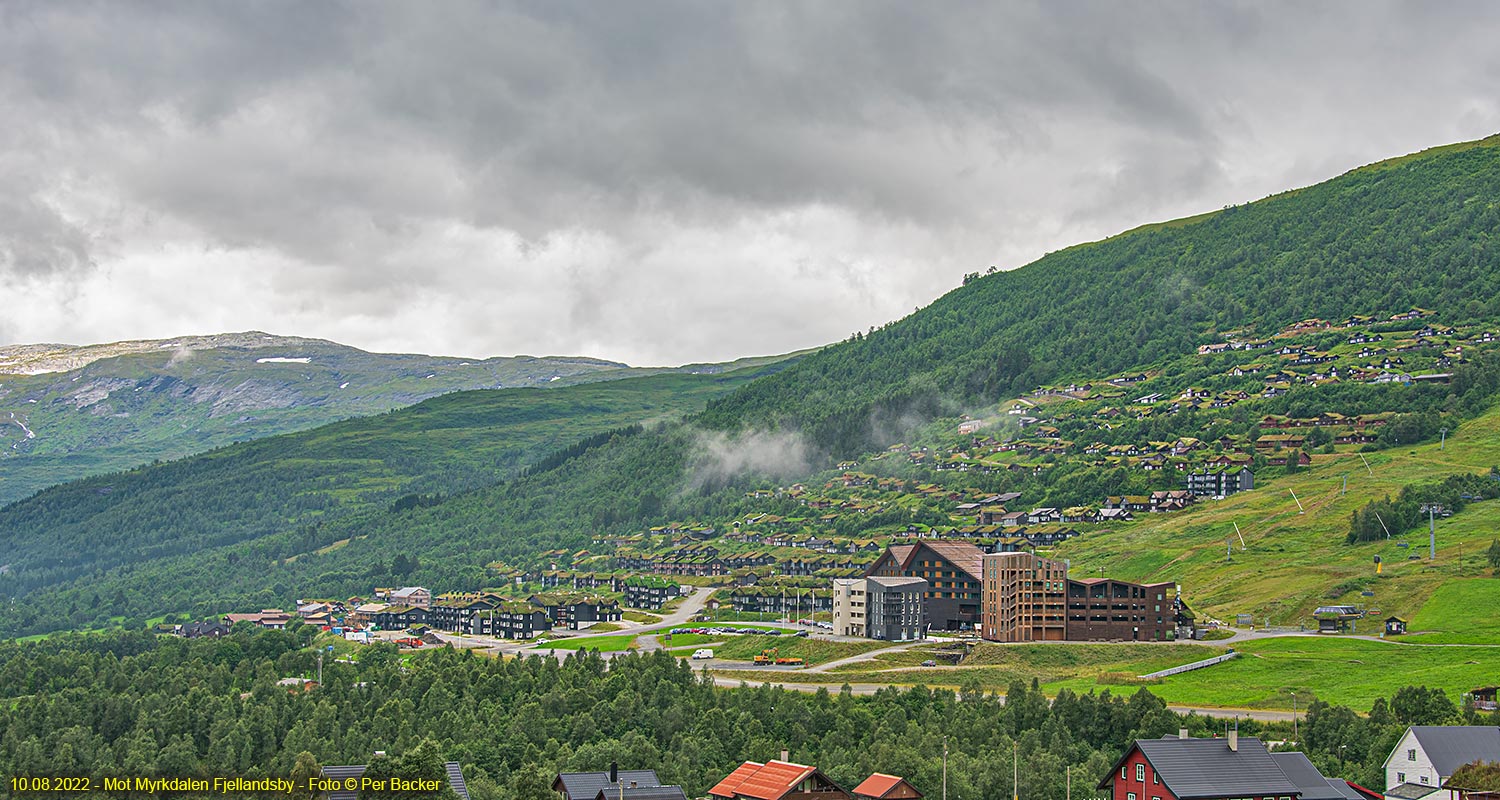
<point x="652" y="182"/>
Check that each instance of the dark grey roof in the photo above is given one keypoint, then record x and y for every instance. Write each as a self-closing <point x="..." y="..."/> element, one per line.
<point x="642" y="793"/>
<point x="1313" y="784"/>
<point x="455" y="779"/>
<point x="1449" y="747"/>
<point x="586" y="785"/>
<point x="1345" y="790"/>
<point x="352" y="771"/>
<point x="1202" y="768"/>
<point x="1410" y="791"/>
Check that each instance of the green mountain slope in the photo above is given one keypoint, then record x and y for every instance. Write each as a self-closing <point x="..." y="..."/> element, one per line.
<point x="285" y="496"/>
<point x="1417" y="231"/>
<point x="1413" y="231"/>
<point x="69" y="412"/>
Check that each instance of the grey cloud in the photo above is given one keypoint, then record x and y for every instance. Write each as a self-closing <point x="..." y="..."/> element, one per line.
<point x="668" y="180"/>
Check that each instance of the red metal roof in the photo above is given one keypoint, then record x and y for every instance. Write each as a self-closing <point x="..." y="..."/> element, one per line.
<point x="732" y="781"/>
<point x="773" y="780"/>
<point x="877" y="785"/>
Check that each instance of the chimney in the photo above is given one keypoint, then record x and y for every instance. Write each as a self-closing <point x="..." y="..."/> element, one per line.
<point x="1234" y="739"/>
<point x="785" y="755"/>
<point x="614" y="772"/>
<point x="1182" y="733"/>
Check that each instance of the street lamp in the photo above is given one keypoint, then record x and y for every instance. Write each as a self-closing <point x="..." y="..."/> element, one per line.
<point x="1294" y="714"/>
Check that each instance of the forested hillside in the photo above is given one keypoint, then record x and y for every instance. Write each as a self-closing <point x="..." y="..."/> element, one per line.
<point x="236" y="522"/>
<point x="1417" y="231"/>
<point x="140" y="705"/>
<point x="1413" y="232"/>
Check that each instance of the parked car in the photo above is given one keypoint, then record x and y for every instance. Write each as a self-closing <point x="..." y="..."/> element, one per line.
<point x="929" y="663"/>
<point x="703" y="653"/>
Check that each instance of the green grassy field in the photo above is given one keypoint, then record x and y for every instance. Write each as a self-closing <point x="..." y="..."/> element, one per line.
<point x="1352" y="672"/>
<point x="1344" y="671"/>
<point x="604" y="644"/>
<point x="1297" y="560"/>
<point x="813" y="651"/>
<point x="1459" y="612"/>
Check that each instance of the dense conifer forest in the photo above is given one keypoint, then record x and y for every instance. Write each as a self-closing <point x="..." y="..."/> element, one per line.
<point x="136" y="704"/>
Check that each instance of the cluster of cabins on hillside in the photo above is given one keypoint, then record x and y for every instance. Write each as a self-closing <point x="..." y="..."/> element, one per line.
<point x="951" y="585"/>
<point x="478" y="613"/>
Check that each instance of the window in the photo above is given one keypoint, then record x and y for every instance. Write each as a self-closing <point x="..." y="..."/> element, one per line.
<point x="1401" y="777"/>
<point x="1156" y="779"/>
<point x="1122" y="774"/>
<point x="1422" y="778"/>
<point x="1140" y="772"/>
<point x="1411" y="755"/>
<point x="1130" y="796"/>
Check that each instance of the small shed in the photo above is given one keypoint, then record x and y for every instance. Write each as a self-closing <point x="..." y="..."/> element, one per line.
<point x="1394" y="626"/>
<point x="880" y="786"/>
<point x="1336" y="619"/>
<point x="1484" y="698"/>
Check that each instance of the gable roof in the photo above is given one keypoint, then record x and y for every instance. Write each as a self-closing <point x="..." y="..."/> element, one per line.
<point x="1205" y="768"/>
<point x="963" y="555"/>
<point x="1449" y="747"/>
<point x="587" y="785"/>
<point x="878" y="785"/>
<point x="1314" y="786"/>
<point x="641" y="793"/>
<point x="454" y="772"/>
<point x="773" y="780"/>
<point x="732" y="781"/>
<point x="768" y="781"/>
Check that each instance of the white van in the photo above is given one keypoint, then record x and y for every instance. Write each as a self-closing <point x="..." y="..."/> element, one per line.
<point x="703" y="653"/>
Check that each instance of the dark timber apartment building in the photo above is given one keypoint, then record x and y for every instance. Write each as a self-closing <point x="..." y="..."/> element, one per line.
<point x="1027" y="598"/>
<point x="1103" y="609"/>
<point x="1024" y="598"/>
<point x="953" y="574"/>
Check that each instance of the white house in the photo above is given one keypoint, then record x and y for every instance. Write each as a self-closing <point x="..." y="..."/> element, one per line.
<point x="1428" y="755"/>
<point x="417" y="596"/>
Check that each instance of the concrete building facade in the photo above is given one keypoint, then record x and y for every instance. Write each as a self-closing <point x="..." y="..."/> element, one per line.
<point x="885" y="608"/>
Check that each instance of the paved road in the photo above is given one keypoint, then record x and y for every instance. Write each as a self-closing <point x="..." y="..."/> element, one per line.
<point x="868" y="656"/>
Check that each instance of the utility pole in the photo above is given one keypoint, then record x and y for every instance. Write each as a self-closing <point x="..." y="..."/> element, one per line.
<point x="1431" y="533"/>
<point x="1367" y="464"/>
<point x="1069" y="773"/>
<point x="1345" y="490"/>
<point x="1294" y="499"/>
<point x="1294" y="716"/>
<point x="1015" y="769"/>
<point x="1444" y="441"/>
<point x="945" y="768"/>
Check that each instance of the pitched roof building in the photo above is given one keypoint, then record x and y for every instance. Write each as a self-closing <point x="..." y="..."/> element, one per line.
<point x="589" y="785"/>
<point x="953" y="571"/>
<point x="880" y="786"/>
<point x="1428" y="755"/>
<point x="777" y="780"/>
<point x="1198" y="769"/>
